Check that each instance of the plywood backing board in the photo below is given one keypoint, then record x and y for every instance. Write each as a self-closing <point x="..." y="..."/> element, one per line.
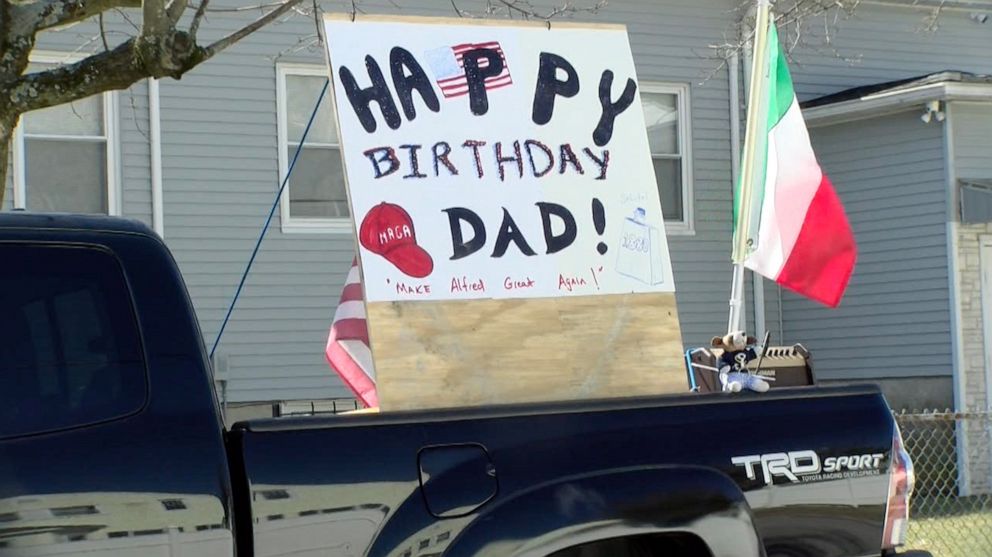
<point x="457" y="353"/>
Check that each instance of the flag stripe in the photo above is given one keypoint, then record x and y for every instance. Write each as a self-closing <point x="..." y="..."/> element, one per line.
<point x="352" y="374"/>
<point x="472" y="46"/>
<point x="822" y="260"/>
<point x="351" y="329"/>
<point x="782" y="96"/>
<point x="460" y="57"/>
<point x="361" y="354"/>
<point x="463" y="86"/>
<point x="792" y="177"/>
<point x="352" y="292"/>
<point x="354" y="276"/>
<point x="457" y="91"/>
<point x="350" y="310"/>
<point x="461" y="79"/>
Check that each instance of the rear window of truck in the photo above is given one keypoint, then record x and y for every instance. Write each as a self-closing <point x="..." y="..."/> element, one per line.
<point x="70" y="349"/>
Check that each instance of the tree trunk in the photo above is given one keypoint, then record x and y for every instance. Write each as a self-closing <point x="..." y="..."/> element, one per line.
<point x="6" y="136"/>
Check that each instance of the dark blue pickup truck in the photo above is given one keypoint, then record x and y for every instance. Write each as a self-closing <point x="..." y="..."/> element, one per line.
<point x="111" y="443"/>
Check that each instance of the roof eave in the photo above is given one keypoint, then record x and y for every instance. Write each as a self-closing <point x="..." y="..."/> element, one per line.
<point x="890" y="102"/>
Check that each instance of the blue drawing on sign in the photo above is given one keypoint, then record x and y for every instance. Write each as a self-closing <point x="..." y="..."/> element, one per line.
<point x="640" y="253"/>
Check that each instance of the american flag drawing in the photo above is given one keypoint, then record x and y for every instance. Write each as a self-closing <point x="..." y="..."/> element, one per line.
<point x="348" y="350"/>
<point x="449" y="69"/>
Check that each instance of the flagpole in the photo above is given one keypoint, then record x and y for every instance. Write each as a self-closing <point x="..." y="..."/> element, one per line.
<point x="744" y="200"/>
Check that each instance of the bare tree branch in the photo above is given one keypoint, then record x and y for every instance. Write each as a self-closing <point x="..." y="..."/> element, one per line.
<point x="316" y="17"/>
<point x="134" y="114"/>
<point x="175" y="10"/>
<point x="252" y="8"/>
<point x="154" y="19"/>
<point x="305" y="42"/>
<point x="124" y="15"/>
<point x="83" y="45"/>
<point x="524" y="9"/>
<point x="200" y="11"/>
<point x="39" y="15"/>
<point x="930" y="23"/>
<point x="113" y="69"/>
<point x="227" y="41"/>
<point x="103" y="33"/>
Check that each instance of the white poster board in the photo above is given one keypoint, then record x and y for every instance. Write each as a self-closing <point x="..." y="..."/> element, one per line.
<point x="493" y="161"/>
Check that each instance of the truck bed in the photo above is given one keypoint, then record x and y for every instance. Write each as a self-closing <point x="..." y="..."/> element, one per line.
<point x="536" y="479"/>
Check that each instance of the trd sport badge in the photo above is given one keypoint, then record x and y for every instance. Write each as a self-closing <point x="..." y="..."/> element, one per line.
<point x="807" y="466"/>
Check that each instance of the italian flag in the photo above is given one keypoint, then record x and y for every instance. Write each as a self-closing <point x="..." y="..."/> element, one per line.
<point x="797" y="232"/>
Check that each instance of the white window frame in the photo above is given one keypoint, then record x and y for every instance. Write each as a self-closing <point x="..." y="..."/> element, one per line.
<point x="110" y="136"/>
<point x="289" y="224"/>
<point x="681" y="92"/>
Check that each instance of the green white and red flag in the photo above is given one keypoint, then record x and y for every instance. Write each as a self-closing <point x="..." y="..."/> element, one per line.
<point x="797" y="233"/>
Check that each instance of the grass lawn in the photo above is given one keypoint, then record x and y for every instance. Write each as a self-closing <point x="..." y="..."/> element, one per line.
<point x="955" y="535"/>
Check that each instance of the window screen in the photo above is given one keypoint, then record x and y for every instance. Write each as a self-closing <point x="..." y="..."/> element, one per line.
<point x="76" y="135"/>
<point x="975" y="201"/>
<point x="316" y="186"/>
<point x="70" y="353"/>
<point x="661" y="115"/>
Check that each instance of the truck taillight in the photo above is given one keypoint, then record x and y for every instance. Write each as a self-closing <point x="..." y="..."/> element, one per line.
<point x="901" y="482"/>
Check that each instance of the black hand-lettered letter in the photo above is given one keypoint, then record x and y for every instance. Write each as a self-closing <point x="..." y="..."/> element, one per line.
<point x="459" y="247"/>
<point x="400" y="62"/>
<point x="561" y="241"/>
<point x="508" y="231"/>
<point x="548" y="85"/>
<point x="476" y="76"/>
<point x="604" y="130"/>
<point x="379" y="155"/>
<point x="361" y="98"/>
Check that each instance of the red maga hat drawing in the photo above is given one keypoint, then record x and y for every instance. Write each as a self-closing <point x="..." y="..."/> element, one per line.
<point x="387" y="230"/>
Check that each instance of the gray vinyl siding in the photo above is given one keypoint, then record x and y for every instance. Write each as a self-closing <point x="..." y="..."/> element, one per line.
<point x="886" y="42"/>
<point x="220" y="171"/>
<point x="134" y="159"/>
<point x="972" y="128"/>
<point x="894" y="320"/>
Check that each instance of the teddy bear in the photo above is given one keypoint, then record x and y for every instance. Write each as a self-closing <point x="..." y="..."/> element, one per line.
<point x="738" y="350"/>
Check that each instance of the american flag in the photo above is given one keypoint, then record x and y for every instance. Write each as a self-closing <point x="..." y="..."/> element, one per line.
<point x="449" y="68"/>
<point x="347" y="349"/>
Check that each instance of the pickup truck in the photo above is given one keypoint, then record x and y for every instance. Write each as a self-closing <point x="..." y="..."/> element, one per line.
<point x="111" y="443"/>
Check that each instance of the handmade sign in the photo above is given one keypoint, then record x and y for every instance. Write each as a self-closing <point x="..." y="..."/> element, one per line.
<point x="512" y="245"/>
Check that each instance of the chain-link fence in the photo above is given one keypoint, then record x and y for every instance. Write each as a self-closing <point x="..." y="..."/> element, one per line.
<point x="951" y="512"/>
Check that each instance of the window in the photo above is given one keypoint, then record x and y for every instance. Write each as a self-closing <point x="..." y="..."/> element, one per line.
<point x="71" y="354"/>
<point x="65" y="155"/>
<point x="666" y="114"/>
<point x="315" y="198"/>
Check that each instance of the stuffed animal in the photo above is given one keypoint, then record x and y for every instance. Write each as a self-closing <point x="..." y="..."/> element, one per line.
<point x="738" y="350"/>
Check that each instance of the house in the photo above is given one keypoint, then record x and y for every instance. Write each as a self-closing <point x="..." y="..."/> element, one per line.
<point x="201" y="160"/>
<point x="911" y="159"/>
<point x="912" y="162"/>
